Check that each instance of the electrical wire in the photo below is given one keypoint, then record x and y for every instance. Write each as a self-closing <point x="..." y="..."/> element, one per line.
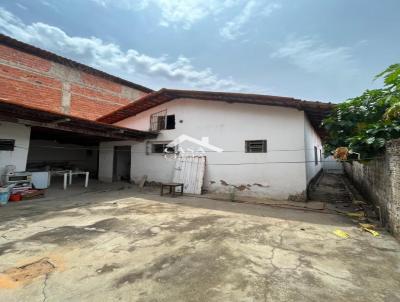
<point x="224" y="164"/>
<point x="111" y="149"/>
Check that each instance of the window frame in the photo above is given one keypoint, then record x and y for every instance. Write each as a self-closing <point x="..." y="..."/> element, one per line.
<point x="159" y="121"/>
<point x="249" y="149"/>
<point x="7" y="144"/>
<point x="170" y="122"/>
<point x="315" y="155"/>
<point x="150" y="147"/>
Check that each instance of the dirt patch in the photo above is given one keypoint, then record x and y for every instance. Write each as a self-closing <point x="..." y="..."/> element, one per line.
<point x="107" y="268"/>
<point x="106" y="224"/>
<point x="223" y="182"/>
<point x="199" y="222"/>
<point x="156" y="268"/>
<point x="26" y="273"/>
<point x="71" y="234"/>
<point x="6" y="247"/>
<point x="211" y="234"/>
<point x="64" y="235"/>
<point x="242" y="187"/>
<point x="180" y="267"/>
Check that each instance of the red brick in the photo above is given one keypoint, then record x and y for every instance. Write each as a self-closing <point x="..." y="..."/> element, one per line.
<point x="13" y="55"/>
<point x="100" y="95"/>
<point x="30" y="94"/>
<point x="31" y="83"/>
<point x="90" y="109"/>
<point x="15" y="73"/>
<point x="100" y="83"/>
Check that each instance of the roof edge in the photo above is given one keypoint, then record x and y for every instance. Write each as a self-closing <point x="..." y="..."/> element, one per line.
<point x="143" y="98"/>
<point x="72" y="117"/>
<point x="112" y="117"/>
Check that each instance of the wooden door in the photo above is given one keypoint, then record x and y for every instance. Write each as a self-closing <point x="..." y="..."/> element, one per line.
<point x="189" y="170"/>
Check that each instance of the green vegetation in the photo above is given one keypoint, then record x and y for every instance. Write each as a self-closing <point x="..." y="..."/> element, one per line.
<point x="365" y="123"/>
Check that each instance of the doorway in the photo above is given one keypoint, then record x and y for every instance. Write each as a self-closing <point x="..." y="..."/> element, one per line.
<point x="122" y="163"/>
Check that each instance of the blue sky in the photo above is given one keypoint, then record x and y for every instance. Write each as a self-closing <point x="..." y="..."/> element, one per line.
<point x="327" y="50"/>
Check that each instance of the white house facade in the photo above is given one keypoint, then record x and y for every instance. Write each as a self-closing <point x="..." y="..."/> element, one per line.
<point x="268" y="150"/>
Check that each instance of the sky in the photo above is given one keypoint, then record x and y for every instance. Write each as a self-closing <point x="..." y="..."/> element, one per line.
<point x="321" y="50"/>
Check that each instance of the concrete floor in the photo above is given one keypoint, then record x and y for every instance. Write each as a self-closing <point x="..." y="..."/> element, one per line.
<point x="114" y="244"/>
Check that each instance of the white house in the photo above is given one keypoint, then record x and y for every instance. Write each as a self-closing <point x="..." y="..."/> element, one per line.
<point x="249" y="144"/>
<point x="271" y="145"/>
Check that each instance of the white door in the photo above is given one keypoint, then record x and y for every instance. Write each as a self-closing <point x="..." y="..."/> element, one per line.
<point x="189" y="170"/>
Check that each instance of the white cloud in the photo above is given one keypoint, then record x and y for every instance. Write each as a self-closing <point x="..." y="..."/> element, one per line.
<point x="233" y="29"/>
<point x="313" y="56"/>
<point x="182" y="13"/>
<point x="124" y="4"/>
<point x="111" y="58"/>
<point x="185" y="13"/>
<point x="21" y="6"/>
<point x="50" y="5"/>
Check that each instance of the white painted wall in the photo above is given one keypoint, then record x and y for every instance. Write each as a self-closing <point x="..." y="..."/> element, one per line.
<point x="278" y="173"/>
<point x="106" y="159"/>
<point x="311" y="140"/>
<point x="18" y="157"/>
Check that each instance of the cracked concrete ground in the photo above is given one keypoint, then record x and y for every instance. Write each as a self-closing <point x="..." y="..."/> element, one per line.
<point x="122" y="245"/>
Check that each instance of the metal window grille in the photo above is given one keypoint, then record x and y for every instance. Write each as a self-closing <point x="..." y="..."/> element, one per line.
<point x="160" y="147"/>
<point x="256" y="146"/>
<point x="158" y="121"/>
<point x="7" y="144"/>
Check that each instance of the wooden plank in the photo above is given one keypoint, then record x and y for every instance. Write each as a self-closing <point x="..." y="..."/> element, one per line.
<point x="190" y="170"/>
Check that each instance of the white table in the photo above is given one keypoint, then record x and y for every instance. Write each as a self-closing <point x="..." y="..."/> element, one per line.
<point x="79" y="173"/>
<point x="68" y="176"/>
<point x="64" y="173"/>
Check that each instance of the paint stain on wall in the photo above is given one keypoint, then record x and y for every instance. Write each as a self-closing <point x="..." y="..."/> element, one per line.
<point x="223" y="182"/>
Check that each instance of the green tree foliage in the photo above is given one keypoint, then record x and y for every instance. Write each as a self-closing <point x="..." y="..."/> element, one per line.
<point x="365" y="123"/>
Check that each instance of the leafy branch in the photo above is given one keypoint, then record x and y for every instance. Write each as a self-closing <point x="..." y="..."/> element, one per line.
<point x="365" y="123"/>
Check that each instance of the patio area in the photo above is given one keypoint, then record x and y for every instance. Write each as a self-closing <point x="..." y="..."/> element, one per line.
<point x="115" y="243"/>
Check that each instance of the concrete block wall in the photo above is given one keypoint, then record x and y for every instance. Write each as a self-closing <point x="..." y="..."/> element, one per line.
<point x="35" y="81"/>
<point x="379" y="181"/>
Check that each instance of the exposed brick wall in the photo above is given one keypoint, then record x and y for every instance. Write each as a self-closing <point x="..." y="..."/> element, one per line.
<point x="37" y="82"/>
<point x="379" y="181"/>
<point x="24" y="59"/>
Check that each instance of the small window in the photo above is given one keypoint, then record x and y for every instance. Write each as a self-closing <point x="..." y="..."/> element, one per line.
<point x="171" y="121"/>
<point x="315" y="155"/>
<point x="161" y="148"/>
<point x="258" y="146"/>
<point x="161" y="121"/>
<point x="7" y="144"/>
<point x="320" y="155"/>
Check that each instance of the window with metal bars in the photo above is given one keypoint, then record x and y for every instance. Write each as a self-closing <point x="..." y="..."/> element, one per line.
<point x="7" y="144"/>
<point x="161" y="121"/>
<point x="159" y="147"/>
<point x="256" y="146"/>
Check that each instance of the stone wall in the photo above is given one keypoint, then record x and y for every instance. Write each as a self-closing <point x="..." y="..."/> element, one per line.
<point x="379" y="182"/>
